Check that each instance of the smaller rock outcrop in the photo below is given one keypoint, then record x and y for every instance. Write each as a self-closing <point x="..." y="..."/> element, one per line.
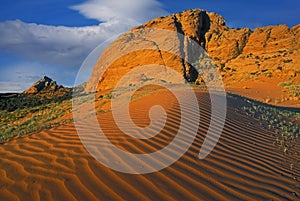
<point x="45" y="84"/>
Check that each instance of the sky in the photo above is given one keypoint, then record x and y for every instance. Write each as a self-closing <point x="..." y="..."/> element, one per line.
<point x="53" y="37"/>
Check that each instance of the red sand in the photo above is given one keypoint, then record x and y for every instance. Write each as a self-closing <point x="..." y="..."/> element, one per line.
<point x="265" y="90"/>
<point x="245" y="165"/>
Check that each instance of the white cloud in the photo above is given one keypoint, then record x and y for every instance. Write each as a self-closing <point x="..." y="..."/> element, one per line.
<point x="68" y="46"/>
<point x="132" y="11"/>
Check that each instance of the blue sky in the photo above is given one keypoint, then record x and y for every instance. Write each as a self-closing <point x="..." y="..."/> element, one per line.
<point x="53" y="37"/>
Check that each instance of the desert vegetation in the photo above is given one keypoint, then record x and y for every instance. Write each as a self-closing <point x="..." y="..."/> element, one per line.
<point x="21" y="101"/>
<point x="285" y="122"/>
<point x="23" y="114"/>
<point x="292" y="88"/>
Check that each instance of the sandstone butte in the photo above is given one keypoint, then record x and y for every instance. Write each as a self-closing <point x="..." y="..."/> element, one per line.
<point x="257" y="60"/>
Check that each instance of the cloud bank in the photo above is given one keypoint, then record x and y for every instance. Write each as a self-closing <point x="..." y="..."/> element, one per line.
<point x="58" y="45"/>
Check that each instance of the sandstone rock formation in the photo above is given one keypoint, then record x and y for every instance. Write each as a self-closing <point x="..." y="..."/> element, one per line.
<point x="243" y="54"/>
<point x="142" y="46"/>
<point x="239" y="53"/>
<point x="45" y="84"/>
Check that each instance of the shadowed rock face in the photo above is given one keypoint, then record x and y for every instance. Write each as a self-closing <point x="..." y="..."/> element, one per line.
<point x="242" y="49"/>
<point x="45" y="84"/>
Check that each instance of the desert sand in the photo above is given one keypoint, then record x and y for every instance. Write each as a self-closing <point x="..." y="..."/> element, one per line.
<point x="245" y="165"/>
<point x="265" y="90"/>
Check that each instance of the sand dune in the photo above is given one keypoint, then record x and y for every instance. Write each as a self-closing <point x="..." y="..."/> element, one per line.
<point x="245" y="165"/>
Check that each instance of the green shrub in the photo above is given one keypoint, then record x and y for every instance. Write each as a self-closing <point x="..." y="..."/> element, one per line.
<point x="285" y="84"/>
<point x="279" y="68"/>
<point x="288" y="61"/>
<point x="281" y="51"/>
<point x="295" y="90"/>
